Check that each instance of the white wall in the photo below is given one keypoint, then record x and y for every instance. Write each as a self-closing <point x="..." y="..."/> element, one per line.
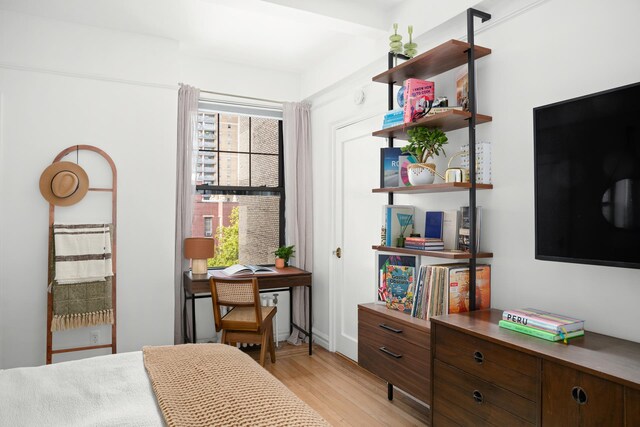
<point x="63" y="84"/>
<point x="552" y="50"/>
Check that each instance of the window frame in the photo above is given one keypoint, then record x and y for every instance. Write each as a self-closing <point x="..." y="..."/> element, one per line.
<point x="209" y="189"/>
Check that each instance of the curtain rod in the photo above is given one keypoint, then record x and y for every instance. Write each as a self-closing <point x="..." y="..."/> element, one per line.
<point x="243" y="97"/>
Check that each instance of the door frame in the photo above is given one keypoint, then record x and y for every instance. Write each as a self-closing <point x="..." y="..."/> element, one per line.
<point x="335" y="267"/>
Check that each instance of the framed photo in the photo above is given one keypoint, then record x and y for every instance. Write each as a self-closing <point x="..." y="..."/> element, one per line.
<point x="383" y="261"/>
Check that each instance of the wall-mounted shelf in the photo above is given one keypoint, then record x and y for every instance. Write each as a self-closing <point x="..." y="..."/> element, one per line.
<point x="433" y="188"/>
<point x="447" y="121"/>
<point x="444" y="57"/>
<point x="450" y="254"/>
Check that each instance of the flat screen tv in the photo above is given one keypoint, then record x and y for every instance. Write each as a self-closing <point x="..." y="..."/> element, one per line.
<point x="587" y="179"/>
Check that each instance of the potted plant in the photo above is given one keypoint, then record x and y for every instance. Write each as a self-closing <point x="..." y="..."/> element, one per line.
<point x="283" y="253"/>
<point x="424" y="143"/>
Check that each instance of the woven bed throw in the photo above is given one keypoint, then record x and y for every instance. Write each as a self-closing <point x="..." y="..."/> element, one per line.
<point x="219" y="385"/>
<point x="82" y="270"/>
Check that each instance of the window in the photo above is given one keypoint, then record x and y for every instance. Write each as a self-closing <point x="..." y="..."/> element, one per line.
<point x="239" y="174"/>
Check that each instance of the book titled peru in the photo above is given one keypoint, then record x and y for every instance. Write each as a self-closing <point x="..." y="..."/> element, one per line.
<point x="543" y="320"/>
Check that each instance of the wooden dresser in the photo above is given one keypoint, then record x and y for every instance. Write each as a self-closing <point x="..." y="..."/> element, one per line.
<point x="486" y="375"/>
<point x="395" y="347"/>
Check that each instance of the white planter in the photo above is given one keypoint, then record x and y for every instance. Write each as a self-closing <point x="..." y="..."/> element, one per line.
<point x="421" y="173"/>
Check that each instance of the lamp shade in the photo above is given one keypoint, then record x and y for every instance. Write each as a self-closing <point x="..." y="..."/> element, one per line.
<point x="199" y="247"/>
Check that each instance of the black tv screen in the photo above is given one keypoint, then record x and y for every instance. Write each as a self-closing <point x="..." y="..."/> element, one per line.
<point x="587" y="179"/>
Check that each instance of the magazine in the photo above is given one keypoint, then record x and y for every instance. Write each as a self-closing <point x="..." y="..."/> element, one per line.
<point x="238" y="269"/>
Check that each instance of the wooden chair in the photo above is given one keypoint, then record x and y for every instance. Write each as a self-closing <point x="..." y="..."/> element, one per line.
<point x="246" y="321"/>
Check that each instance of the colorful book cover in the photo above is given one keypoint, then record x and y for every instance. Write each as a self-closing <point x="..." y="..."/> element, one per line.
<point x="540" y="333"/>
<point x="397" y="221"/>
<point x="462" y="89"/>
<point x="419" y="96"/>
<point x="404" y="161"/>
<point x="384" y="260"/>
<point x="393" y="118"/>
<point x="459" y="288"/>
<point x="543" y="320"/>
<point x="389" y="168"/>
<point x="400" y="287"/>
<point x="433" y="224"/>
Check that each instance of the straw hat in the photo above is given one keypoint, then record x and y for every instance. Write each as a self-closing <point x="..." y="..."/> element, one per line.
<point x="64" y="183"/>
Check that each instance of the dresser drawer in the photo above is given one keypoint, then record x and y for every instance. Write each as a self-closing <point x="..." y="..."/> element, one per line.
<point x="493" y="404"/>
<point x="390" y="328"/>
<point x="510" y="369"/>
<point x="394" y="359"/>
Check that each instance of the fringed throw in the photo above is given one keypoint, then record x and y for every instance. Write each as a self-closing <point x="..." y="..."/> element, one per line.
<point x="82" y="289"/>
<point x="82" y="304"/>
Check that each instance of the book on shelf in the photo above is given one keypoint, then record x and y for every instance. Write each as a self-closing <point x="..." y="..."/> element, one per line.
<point x="400" y="288"/>
<point x="433" y="222"/>
<point x="450" y="226"/>
<point x="424" y="243"/>
<point x="483" y="161"/>
<point x="389" y="168"/>
<point x="397" y="220"/>
<point x="393" y="118"/>
<point x="383" y="260"/>
<point x="462" y="88"/>
<point x="542" y="320"/>
<point x="464" y="231"/>
<point x="444" y="289"/>
<point x="404" y="160"/>
<point x="540" y="333"/>
<point x="238" y="269"/>
<point x="418" y="98"/>
<point x="438" y="110"/>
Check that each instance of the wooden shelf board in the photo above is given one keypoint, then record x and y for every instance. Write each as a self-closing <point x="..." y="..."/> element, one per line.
<point x="445" y="57"/>
<point x="449" y="254"/>
<point x="433" y="188"/>
<point x="447" y="121"/>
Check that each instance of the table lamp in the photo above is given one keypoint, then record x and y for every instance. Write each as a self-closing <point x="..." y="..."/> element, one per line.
<point x="199" y="249"/>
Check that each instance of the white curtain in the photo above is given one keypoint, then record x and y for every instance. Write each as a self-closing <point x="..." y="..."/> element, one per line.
<point x="185" y="188"/>
<point x="298" y="219"/>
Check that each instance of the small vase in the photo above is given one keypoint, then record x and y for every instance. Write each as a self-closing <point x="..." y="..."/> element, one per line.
<point x="421" y="173"/>
<point x="280" y="263"/>
<point x="400" y="242"/>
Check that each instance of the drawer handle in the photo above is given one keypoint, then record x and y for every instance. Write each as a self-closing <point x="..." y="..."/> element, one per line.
<point x="389" y="328"/>
<point x="390" y="353"/>
<point x="478" y="356"/>
<point x="579" y="395"/>
<point x="478" y="397"/>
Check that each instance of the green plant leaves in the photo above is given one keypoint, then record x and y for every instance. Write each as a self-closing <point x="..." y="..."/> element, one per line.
<point x="425" y="142"/>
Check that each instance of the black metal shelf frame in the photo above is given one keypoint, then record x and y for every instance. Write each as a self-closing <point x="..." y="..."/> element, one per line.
<point x="471" y="15"/>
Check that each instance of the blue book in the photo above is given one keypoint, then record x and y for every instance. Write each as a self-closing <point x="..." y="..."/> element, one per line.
<point x="433" y="224"/>
<point x="389" y="171"/>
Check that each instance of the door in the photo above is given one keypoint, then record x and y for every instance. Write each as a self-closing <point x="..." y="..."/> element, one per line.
<point x="357" y="227"/>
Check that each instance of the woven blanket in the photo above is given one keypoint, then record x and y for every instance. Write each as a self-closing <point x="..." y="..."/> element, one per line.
<point x="82" y="268"/>
<point x="82" y="252"/>
<point x="218" y="385"/>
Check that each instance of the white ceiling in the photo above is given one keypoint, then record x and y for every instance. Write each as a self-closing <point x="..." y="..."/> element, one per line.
<point x="281" y="34"/>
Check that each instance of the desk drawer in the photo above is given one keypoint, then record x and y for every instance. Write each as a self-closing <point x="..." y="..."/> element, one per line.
<point x="494" y="405"/>
<point x="391" y="329"/>
<point x="510" y="369"/>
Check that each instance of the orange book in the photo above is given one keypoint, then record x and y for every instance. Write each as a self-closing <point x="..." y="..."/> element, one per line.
<point x="459" y="288"/>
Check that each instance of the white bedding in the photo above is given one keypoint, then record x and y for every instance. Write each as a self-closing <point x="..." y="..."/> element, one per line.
<point x="111" y="390"/>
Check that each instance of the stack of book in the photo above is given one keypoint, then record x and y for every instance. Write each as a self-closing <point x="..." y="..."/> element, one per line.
<point x="542" y="324"/>
<point x="393" y="118"/>
<point x="424" y="243"/>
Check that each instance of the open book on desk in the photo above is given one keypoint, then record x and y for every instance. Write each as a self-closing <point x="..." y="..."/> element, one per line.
<point x="238" y="269"/>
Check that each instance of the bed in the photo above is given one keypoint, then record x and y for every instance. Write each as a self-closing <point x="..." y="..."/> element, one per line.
<point x="186" y="385"/>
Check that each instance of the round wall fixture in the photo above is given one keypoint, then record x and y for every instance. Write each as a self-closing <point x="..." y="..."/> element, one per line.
<point x="358" y="97"/>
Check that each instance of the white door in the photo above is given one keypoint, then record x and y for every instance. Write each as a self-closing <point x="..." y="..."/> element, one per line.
<point x="357" y="227"/>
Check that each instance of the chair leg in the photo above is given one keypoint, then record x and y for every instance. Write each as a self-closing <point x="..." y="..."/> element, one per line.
<point x="263" y="346"/>
<point x="272" y="347"/>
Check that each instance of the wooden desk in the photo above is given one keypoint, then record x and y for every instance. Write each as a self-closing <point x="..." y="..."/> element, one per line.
<point x="196" y="286"/>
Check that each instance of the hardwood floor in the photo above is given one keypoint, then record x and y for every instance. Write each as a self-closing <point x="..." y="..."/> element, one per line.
<point x="342" y="392"/>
